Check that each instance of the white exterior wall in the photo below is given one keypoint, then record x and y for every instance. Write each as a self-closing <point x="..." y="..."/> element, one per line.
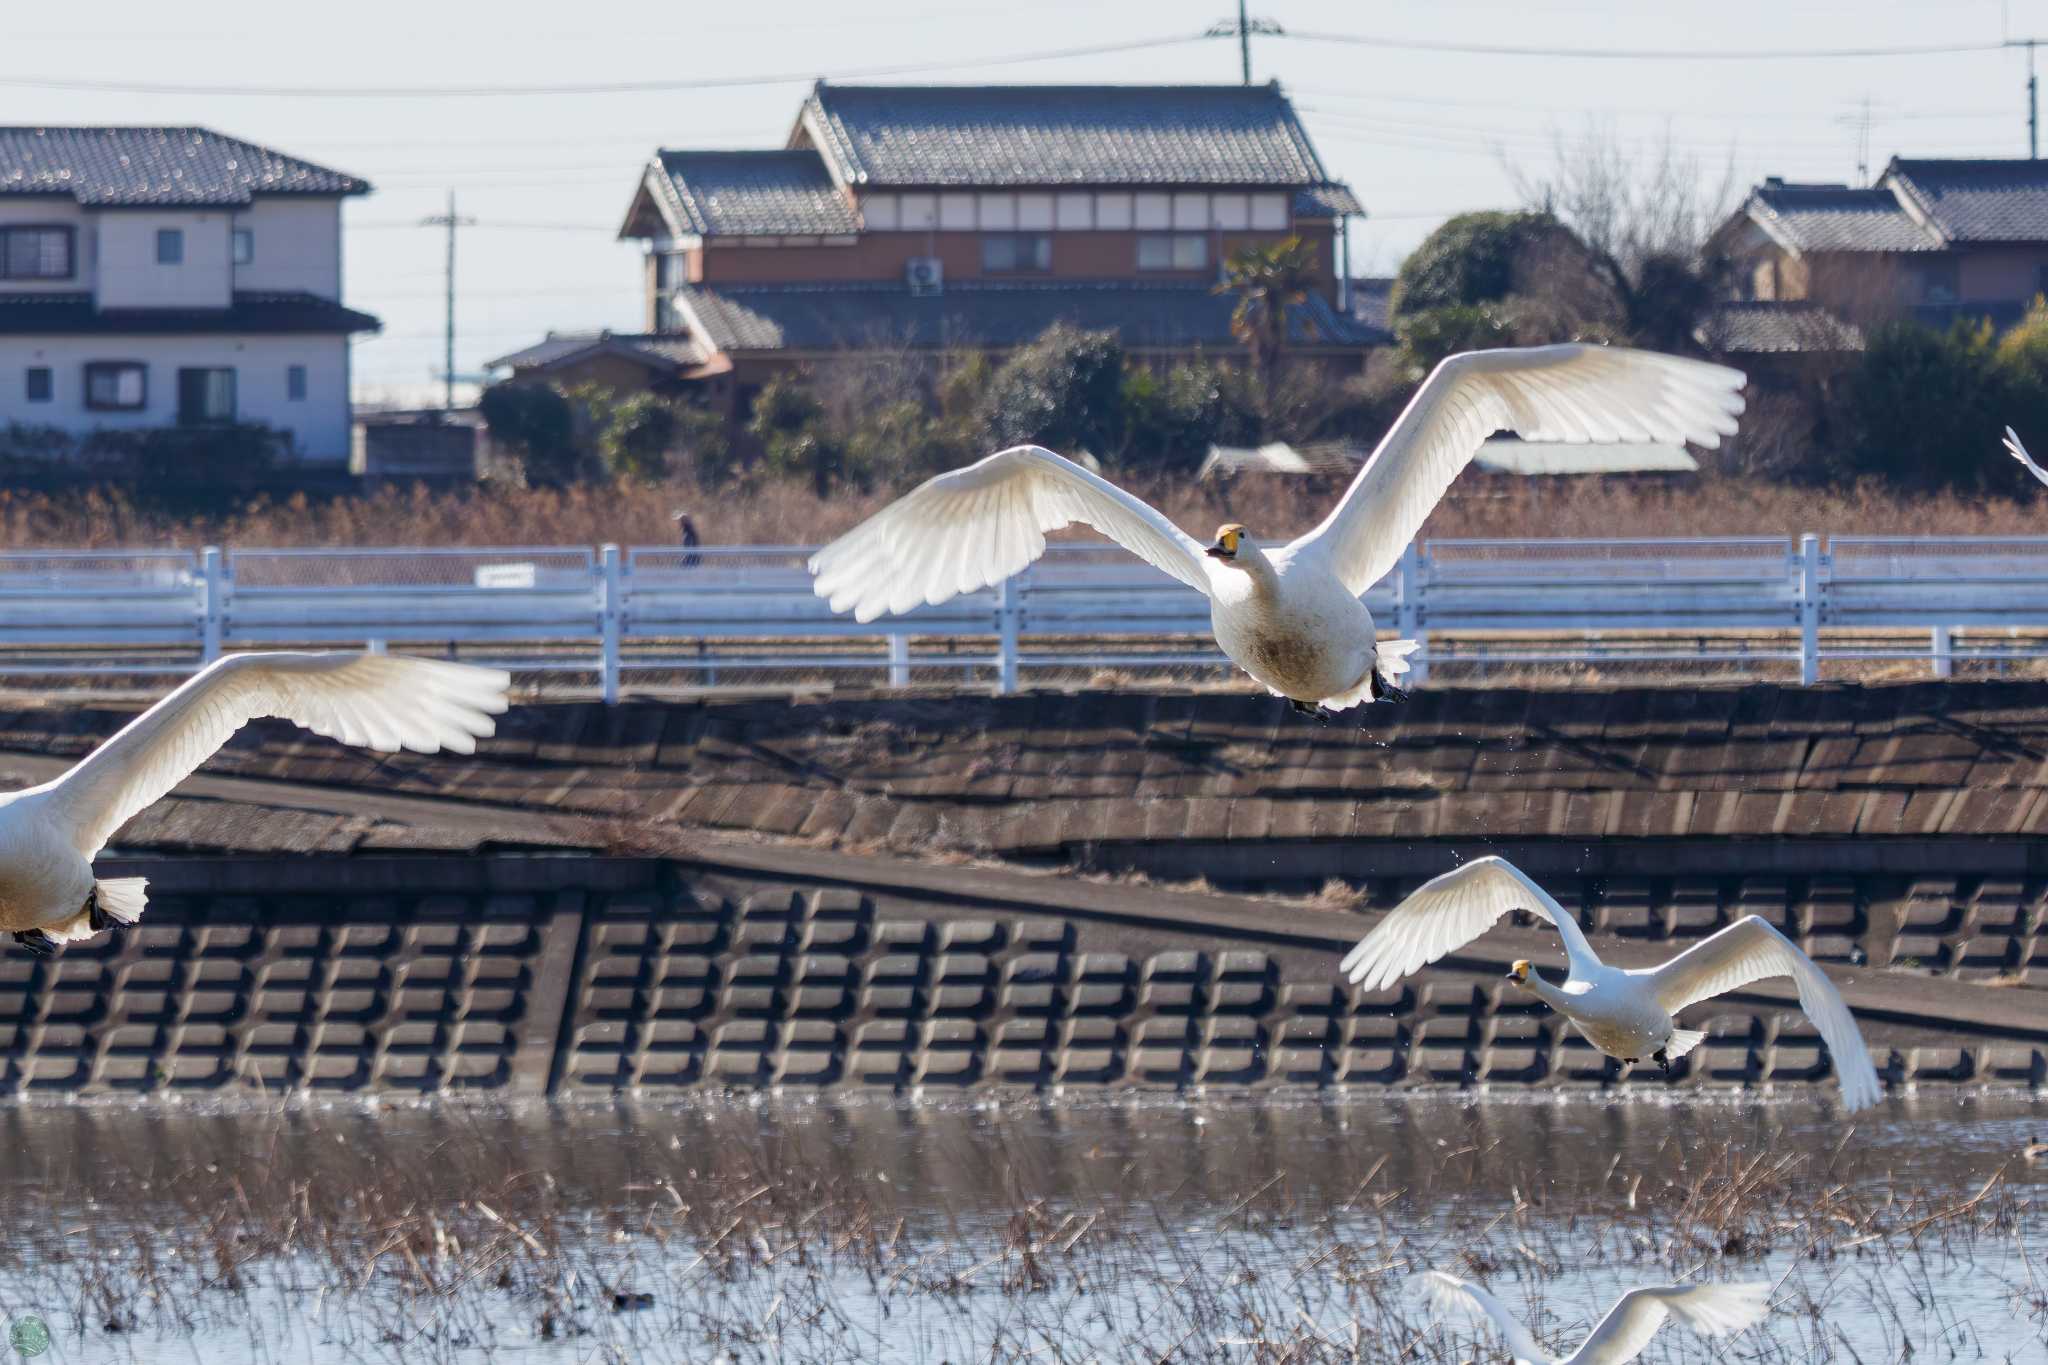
<point x="297" y="243"/>
<point x="129" y="276"/>
<point x="319" y="424"/>
<point x="50" y="211"/>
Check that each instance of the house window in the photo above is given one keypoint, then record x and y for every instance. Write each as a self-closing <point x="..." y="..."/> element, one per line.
<point x="1016" y="253"/>
<point x="35" y="253"/>
<point x="116" y="385"/>
<point x="205" y="397"/>
<point x="170" y="246"/>
<point x="1173" y="251"/>
<point x="295" y="383"/>
<point x="40" y="385"/>
<point x="244" y="246"/>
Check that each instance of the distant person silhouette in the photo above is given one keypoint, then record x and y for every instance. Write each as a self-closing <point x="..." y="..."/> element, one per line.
<point x="686" y="533"/>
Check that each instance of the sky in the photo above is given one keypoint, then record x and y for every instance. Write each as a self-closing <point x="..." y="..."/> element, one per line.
<point x="547" y="173"/>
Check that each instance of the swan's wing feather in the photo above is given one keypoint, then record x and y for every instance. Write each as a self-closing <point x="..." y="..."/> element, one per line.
<point x="974" y="527"/>
<point x="1571" y="392"/>
<point x="1751" y="949"/>
<point x="1448" y="912"/>
<point x="1449" y="1296"/>
<point x="383" y="702"/>
<point x="1712" y="1310"/>
<point x="2018" y="450"/>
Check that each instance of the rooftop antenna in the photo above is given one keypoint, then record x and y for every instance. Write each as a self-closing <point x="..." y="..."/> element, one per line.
<point x="1242" y="29"/>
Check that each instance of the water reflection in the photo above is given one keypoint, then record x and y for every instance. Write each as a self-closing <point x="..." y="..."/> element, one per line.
<point x="944" y="1229"/>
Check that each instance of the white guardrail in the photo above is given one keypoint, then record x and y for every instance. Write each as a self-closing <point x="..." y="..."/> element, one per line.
<point x="611" y="610"/>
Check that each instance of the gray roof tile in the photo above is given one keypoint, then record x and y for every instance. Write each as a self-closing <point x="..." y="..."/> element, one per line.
<point x="1839" y="218"/>
<point x="762" y="193"/>
<point x="1063" y="135"/>
<point x="1977" y="200"/>
<point x="1776" y="328"/>
<point x="120" y="167"/>
<point x="656" y="349"/>
<point x="828" y="317"/>
<point x="267" y="311"/>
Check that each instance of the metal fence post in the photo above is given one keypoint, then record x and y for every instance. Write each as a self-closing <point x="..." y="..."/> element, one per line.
<point x="1006" y="635"/>
<point x="899" y="661"/>
<point x="1408" y="610"/>
<point x="1943" y="647"/>
<point x="214" y="607"/>
<point x="612" y="610"/>
<point x="1810" y="588"/>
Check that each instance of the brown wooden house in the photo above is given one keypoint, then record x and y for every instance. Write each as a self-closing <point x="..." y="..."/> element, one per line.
<point x="969" y="217"/>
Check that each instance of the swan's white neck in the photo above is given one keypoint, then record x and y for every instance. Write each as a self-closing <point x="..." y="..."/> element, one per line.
<point x="1548" y="994"/>
<point x="1252" y="562"/>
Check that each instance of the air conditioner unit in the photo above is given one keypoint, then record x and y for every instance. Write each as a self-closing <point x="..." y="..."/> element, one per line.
<point x="925" y="275"/>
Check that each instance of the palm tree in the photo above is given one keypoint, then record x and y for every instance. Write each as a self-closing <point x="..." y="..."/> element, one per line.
<point x="1270" y="281"/>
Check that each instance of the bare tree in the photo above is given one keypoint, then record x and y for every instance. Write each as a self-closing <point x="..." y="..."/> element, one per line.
<point x="1645" y="217"/>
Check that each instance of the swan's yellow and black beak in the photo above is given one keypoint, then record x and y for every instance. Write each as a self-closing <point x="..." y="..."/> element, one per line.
<point x="1519" y="972"/>
<point x="1227" y="539"/>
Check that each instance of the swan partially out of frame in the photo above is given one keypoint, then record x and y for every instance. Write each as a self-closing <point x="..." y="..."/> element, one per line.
<point x="50" y="834"/>
<point x="1627" y="1014"/>
<point x="1711" y="1310"/>
<point x="1288" y="614"/>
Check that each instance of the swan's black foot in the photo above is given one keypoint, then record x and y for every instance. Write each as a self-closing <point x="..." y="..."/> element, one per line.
<point x="1302" y="708"/>
<point x="1382" y="690"/>
<point x="37" y="942"/>
<point x="1663" y="1061"/>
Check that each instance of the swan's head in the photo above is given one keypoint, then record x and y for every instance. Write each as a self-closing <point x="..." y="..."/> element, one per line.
<point x="1230" y="538"/>
<point x="1519" y="973"/>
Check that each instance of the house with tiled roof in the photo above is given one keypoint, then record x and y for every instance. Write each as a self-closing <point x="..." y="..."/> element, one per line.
<point x="173" y="276"/>
<point x="1931" y="240"/>
<point x="972" y="217"/>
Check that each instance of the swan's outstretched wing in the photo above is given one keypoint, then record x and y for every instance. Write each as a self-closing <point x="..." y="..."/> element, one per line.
<point x="2018" y="450"/>
<point x="1712" y="1310"/>
<point x="1572" y="392"/>
<point x="1450" y="1296"/>
<point x="1448" y="912"/>
<point x="383" y="702"/>
<point x="1751" y="950"/>
<point x="976" y="526"/>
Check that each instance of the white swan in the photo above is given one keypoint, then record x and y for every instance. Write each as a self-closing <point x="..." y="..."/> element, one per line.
<point x="2018" y="450"/>
<point x="1712" y="1310"/>
<point x="1289" y="614"/>
<point x="1625" y="1014"/>
<point x="50" y="834"/>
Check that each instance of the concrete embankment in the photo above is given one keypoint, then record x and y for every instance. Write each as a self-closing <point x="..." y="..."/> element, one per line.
<point x="326" y="920"/>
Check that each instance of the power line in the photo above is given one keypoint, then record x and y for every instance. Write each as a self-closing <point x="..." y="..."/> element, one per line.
<point x="586" y="88"/>
<point x="1649" y="54"/>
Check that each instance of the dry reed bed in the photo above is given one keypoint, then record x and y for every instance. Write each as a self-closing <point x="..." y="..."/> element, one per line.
<point x="789" y="513"/>
<point x="751" y="1251"/>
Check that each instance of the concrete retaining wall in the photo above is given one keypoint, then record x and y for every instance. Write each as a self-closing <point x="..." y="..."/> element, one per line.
<point x="562" y="975"/>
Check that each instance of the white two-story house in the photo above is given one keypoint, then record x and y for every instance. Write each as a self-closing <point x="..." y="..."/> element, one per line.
<point x="172" y="277"/>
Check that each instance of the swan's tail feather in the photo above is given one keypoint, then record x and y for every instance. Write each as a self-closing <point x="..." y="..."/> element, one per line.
<point x="1391" y="657"/>
<point x="116" y="903"/>
<point x="1683" y="1040"/>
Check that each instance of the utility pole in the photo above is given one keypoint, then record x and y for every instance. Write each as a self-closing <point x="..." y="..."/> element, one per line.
<point x="1242" y="29"/>
<point x="451" y="221"/>
<point x="2033" y="108"/>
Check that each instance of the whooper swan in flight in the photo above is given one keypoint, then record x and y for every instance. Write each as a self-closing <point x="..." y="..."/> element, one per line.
<point x="50" y="834"/>
<point x="1288" y="614"/>
<point x="1625" y="1014"/>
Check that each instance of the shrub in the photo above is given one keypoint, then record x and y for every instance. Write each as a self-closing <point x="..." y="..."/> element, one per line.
<point x="1924" y="409"/>
<point x="1064" y="390"/>
<point x="538" y="426"/>
<point x="1473" y="258"/>
<point x="789" y="422"/>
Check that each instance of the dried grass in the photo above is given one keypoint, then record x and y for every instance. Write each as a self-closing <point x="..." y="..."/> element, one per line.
<point x="788" y="513"/>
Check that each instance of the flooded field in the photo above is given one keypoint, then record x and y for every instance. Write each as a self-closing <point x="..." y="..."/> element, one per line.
<point x="1241" y="1229"/>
